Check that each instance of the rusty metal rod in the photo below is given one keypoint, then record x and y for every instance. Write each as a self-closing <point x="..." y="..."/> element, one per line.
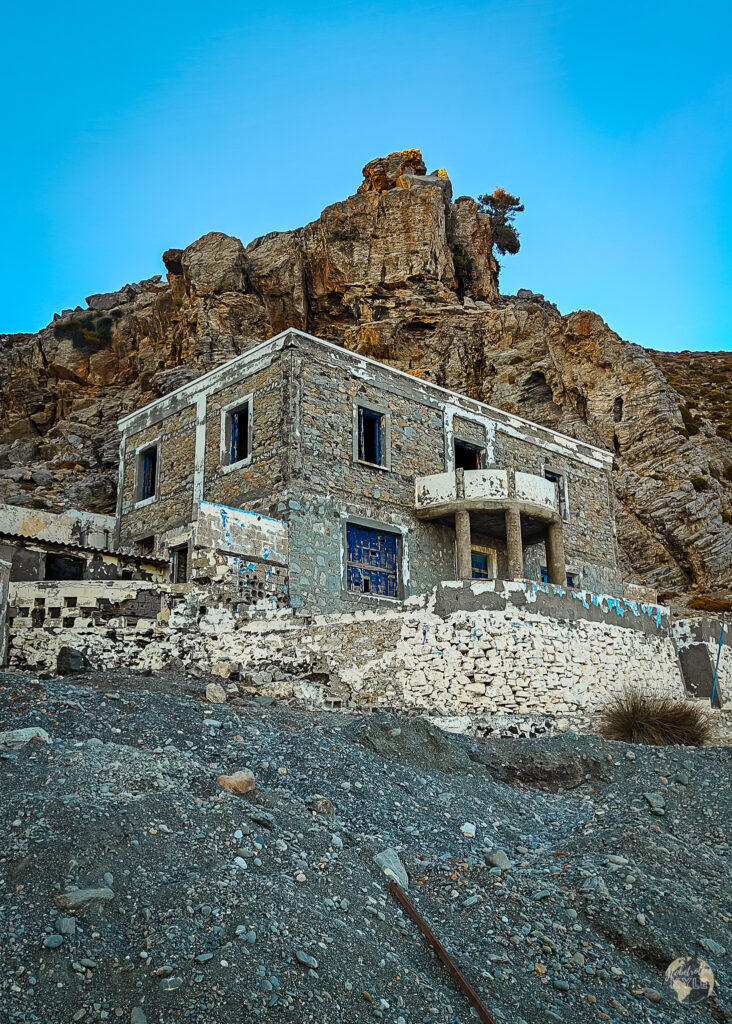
<point x="473" y="998"/>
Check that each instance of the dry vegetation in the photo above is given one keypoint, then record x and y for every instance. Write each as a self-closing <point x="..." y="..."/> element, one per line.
<point x="634" y="715"/>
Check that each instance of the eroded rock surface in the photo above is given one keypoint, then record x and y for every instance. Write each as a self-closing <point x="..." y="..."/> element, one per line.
<point x="401" y="273"/>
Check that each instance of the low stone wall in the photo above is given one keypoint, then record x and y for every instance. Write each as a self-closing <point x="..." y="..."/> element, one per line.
<point x="467" y="651"/>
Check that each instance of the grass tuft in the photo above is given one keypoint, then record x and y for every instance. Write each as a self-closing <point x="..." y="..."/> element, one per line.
<point x="634" y="715"/>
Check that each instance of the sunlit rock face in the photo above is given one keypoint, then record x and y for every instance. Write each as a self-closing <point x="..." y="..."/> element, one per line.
<point x="404" y="274"/>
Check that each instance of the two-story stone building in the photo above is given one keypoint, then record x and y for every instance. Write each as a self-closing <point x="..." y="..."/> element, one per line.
<point x="388" y="484"/>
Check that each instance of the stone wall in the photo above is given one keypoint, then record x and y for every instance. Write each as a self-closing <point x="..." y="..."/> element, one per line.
<point x="172" y="504"/>
<point x="468" y="650"/>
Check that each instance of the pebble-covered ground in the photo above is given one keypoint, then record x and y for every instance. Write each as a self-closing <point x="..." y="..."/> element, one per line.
<point x="563" y="874"/>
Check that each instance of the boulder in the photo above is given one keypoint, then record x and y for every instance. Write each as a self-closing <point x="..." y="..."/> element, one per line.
<point x="14" y="739"/>
<point x="385" y="172"/>
<point x="214" y="264"/>
<point x="69" y="660"/>
<point x="389" y="862"/>
<point x="82" y="899"/>
<point x="238" y="782"/>
<point x="215" y="693"/>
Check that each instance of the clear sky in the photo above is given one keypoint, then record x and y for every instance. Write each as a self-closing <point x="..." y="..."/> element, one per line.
<point x="134" y="127"/>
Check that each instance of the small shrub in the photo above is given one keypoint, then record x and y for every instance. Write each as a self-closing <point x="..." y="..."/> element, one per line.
<point x="707" y="603"/>
<point x="635" y="715"/>
<point x="727" y="517"/>
<point x="700" y="483"/>
<point x="691" y="422"/>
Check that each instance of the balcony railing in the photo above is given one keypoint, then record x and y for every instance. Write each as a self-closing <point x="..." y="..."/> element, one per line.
<point x="485" y="488"/>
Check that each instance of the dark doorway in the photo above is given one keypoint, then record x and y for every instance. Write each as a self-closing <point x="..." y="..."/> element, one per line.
<point x="64" y="567"/>
<point x="180" y="564"/>
<point x="468" y="456"/>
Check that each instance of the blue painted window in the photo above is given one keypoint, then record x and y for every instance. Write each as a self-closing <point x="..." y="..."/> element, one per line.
<point x="479" y="562"/>
<point x="239" y="434"/>
<point x="149" y="473"/>
<point x="572" y="578"/>
<point x="370" y="436"/>
<point x="372" y="562"/>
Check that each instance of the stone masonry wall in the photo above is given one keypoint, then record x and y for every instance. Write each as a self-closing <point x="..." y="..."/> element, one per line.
<point x="491" y="661"/>
<point x="588" y="532"/>
<point x="172" y="505"/>
<point x="253" y="486"/>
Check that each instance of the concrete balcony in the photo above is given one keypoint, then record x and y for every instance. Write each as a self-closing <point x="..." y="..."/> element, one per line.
<point x="520" y="508"/>
<point x="487" y="489"/>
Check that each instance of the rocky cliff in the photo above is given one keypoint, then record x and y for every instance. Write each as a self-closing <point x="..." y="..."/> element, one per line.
<point x="403" y="273"/>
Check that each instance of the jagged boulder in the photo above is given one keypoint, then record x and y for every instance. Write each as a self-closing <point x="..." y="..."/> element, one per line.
<point x="385" y="172"/>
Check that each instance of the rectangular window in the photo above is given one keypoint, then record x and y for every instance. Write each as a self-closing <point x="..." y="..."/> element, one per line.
<point x="573" y="578"/>
<point x="64" y="567"/>
<point x="238" y="431"/>
<point x="146" y="545"/>
<point x="558" y="480"/>
<point x="179" y="572"/>
<point x="147" y="473"/>
<point x="370" y="436"/>
<point x="481" y="564"/>
<point x="468" y="456"/>
<point x="372" y="565"/>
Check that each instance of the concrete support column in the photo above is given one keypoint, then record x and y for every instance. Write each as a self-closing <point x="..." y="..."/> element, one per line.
<point x="514" y="545"/>
<point x="555" y="555"/>
<point x="462" y="537"/>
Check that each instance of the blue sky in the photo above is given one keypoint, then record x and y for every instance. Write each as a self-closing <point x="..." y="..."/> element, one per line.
<point x="132" y="128"/>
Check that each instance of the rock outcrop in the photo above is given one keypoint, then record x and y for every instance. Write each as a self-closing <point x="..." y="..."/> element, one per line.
<point x="400" y="272"/>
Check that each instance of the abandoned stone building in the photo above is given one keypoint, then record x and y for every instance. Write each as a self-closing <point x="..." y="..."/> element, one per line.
<point x="304" y="521"/>
<point x="387" y="483"/>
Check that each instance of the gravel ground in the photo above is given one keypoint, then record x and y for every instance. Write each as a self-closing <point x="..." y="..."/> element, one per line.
<point x="563" y="874"/>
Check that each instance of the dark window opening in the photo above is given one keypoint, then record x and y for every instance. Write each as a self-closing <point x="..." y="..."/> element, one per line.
<point x="616" y="443"/>
<point x="558" y="480"/>
<point x="372" y="562"/>
<point x="64" y="567"/>
<point x="148" y="473"/>
<point x="468" y="456"/>
<point x="70" y="602"/>
<point x="145" y="545"/>
<point x="481" y="567"/>
<point x="573" y="580"/>
<point x="370" y="437"/>
<point x="239" y="434"/>
<point x="618" y="409"/>
<point x="180" y="564"/>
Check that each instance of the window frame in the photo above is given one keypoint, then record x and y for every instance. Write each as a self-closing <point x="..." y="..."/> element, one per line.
<point x="140" y="451"/>
<point x="563" y="489"/>
<point x="402" y="555"/>
<point x="491" y="558"/>
<point x="174" y="553"/>
<point x="385" y="413"/>
<point x="225" y="433"/>
<point x="478" y="448"/>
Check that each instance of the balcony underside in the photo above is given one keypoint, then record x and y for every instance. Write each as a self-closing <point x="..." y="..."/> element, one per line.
<point x="489" y="518"/>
